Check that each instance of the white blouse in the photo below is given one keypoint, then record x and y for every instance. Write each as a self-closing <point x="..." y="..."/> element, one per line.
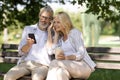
<point x="67" y="48"/>
<point x="75" y="45"/>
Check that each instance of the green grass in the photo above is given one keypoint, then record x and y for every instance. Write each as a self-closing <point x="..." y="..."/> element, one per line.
<point x="98" y="74"/>
<point x="5" y="67"/>
<point x="103" y="74"/>
<point x="1" y="78"/>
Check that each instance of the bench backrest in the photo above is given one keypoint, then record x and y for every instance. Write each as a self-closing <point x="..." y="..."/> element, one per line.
<point x="105" y="57"/>
<point x="9" y="53"/>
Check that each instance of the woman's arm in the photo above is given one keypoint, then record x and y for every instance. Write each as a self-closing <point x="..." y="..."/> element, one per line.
<point x="50" y="37"/>
<point x="77" y="43"/>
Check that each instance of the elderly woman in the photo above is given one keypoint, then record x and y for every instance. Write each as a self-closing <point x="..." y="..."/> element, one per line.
<point x="72" y="59"/>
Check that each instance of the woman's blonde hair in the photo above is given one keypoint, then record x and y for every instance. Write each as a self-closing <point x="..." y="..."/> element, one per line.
<point x="65" y="20"/>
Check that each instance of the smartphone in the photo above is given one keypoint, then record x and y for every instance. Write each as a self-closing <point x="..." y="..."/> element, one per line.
<point x="32" y="36"/>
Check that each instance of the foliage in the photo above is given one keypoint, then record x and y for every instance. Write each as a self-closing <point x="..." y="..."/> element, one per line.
<point x="109" y="29"/>
<point x="76" y="20"/>
<point x="106" y="9"/>
<point x="10" y="13"/>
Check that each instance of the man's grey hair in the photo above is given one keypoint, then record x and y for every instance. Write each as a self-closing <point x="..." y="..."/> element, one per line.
<point x="47" y="9"/>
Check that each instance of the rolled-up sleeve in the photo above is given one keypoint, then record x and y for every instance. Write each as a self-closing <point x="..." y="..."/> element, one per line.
<point x="51" y="50"/>
<point x="78" y="44"/>
<point x="23" y="40"/>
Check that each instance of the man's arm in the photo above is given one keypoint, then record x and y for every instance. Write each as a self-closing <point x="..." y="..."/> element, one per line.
<point x="27" y="46"/>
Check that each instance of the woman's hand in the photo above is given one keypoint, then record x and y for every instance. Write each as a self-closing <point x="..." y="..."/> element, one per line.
<point x="63" y="57"/>
<point x="60" y="56"/>
<point x="50" y="26"/>
<point x="70" y="57"/>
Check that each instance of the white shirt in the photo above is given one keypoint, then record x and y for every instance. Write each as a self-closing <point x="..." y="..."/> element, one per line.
<point x="38" y="51"/>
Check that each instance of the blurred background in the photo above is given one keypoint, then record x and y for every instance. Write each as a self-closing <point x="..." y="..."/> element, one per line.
<point x="97" y="20"/>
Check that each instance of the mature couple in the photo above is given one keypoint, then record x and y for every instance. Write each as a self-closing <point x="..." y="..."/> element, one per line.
<point x="71" y="58"/>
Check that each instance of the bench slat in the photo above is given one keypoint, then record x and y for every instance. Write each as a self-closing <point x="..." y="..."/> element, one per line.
<point x="10" y="54"/>
<point x="8" y="60"/>
<point x="105" y="57"/>
<point x="103" y="49"/>
<point x="108" y="65"/>
<point x="9" y="46"/>
<point x="1" y="59"/>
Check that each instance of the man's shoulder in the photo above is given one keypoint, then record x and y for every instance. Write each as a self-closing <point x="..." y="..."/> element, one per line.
<point x="31" y="26"/>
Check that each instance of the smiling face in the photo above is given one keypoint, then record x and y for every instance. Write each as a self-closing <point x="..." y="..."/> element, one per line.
<point x="45" y="16"/>
<point x="62" y="23"/>
<point x="44" y="19"/>
<point x="58" y="26"/>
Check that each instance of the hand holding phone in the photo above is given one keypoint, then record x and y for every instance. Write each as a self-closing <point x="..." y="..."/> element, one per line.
<point x="32" y="36"/>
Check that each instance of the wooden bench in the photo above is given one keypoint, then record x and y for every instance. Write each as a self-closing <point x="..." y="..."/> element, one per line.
<point x="104" y="57"/>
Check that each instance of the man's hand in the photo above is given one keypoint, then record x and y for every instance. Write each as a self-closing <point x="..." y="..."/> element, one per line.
<point x="30" y="41"/>
<point x="27" y="46"/>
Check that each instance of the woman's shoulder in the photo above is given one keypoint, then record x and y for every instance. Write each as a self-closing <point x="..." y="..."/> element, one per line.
<point x="75" y="31"/>
<point x="76" y="34"/>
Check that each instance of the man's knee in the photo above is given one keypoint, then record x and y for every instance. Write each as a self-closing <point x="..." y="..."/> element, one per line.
<point x="9" y="77"/>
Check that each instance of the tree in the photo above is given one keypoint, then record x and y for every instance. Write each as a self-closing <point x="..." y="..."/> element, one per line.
<point x="10" y="13"/>
<point x="106" y="9"/>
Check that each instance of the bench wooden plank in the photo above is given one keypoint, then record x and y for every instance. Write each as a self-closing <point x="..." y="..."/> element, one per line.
<point x="108" y="65"/>
<point x="9" y="59"/>
<point x="10" y="55"/>
<point x="103" y="49"/>
<point x="9" y="46"/>
<point x="105" y="57"/>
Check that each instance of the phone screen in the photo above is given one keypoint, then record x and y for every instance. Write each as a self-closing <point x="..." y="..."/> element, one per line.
<point x="32" y="36"/>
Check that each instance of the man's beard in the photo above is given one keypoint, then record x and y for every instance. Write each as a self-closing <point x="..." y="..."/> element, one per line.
<point x="43" y="26"/>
